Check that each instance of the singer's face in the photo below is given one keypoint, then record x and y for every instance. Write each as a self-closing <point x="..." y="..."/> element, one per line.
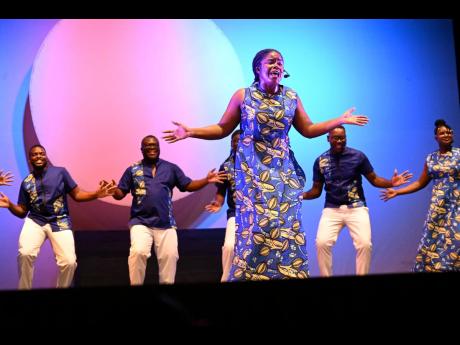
<point x="150" y="148"/>
<point x="37" y="158"/>
<point x="337" y="139"/>
<point x="271" y="68"/>
<point x="444" y="136"/>
<point x="235" y="140"/>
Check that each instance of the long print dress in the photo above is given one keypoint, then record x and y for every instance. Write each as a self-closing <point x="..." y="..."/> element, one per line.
<point x="439" y="249"/>
<point x="270" y="243"/>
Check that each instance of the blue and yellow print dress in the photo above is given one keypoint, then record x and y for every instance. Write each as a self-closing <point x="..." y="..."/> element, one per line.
<point x="439" y="249"/>
<point x="270" y="243"/>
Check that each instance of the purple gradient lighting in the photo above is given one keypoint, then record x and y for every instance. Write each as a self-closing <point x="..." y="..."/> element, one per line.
<point x="99" y="86"/>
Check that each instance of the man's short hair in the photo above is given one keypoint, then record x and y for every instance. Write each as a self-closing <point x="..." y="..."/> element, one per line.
<point x="36" y="145"/>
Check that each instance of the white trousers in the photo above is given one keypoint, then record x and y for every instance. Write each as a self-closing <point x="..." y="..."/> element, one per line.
<point x="228" y="249"/>
<point x="31" y="239"/>
<point x="332" y="221"/>
<point x="165" y="246"/>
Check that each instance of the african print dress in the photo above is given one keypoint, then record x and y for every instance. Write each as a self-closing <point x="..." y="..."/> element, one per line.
<point x="270" y="243"/>
<point x="439" y="249"/>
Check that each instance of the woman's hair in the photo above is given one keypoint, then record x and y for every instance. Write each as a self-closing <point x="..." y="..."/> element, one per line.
<point x="440" y="123"/>
<point x="258" y="58"/>
<point x="237" y="132"/>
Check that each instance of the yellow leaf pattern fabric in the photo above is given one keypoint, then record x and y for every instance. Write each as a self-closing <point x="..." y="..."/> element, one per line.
<point x="270" y="242"/>
<point x="439" y="249"/>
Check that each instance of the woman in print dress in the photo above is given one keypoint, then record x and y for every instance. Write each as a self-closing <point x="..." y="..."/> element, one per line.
<point x="439" y="249"/>
<point x="270" y="241"/>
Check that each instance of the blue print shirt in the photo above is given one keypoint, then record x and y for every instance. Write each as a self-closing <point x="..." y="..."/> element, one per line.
<point x="152" y="195"/>
<point x="341" y="175"/>
<point x="45" y="196"/>
<point x="228" y="186"/>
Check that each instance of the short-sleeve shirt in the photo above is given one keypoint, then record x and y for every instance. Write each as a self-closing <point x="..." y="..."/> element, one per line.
<point x="341" y="175"/>
<point x="228" y="186"/>
<point x="152" y="195"/>
<point x="45" y="196"/>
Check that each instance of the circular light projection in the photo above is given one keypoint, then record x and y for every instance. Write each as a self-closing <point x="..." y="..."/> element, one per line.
<point x="99" y="86"/>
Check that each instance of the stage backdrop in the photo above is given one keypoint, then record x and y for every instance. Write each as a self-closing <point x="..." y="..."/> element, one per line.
<point x="89" y="90"/>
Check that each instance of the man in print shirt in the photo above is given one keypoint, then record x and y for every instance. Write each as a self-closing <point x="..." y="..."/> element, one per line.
<point x="339" y="170"/>
<point x="43" y="199"/>
<point x="151" y="182"/>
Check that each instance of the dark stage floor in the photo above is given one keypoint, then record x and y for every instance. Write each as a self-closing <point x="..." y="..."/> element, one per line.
<point x="102" y="299"/>
<point x="386" y="303"/>
<point x="103" y="258"/>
